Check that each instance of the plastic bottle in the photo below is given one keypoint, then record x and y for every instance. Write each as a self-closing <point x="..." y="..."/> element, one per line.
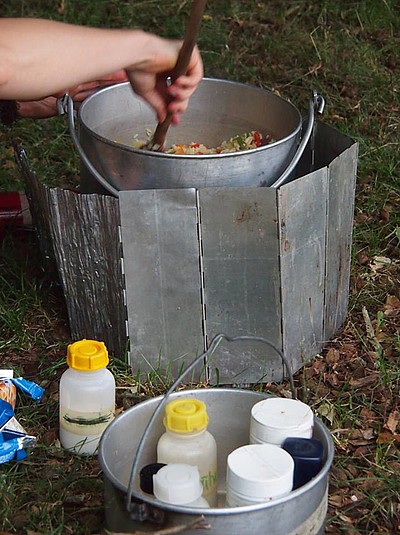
<point x="179" y="484"/>
<point x="258" y="473"/>
<point x="275" y="419"/>
<point x="87" y="397"/>
<point x="187" y="441"/>
<point x="308" y="457"/>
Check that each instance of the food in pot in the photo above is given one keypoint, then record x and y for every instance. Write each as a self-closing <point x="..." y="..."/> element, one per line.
<point x="250" y="140"/>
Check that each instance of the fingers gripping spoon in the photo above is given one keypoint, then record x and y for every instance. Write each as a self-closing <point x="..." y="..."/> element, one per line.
<point x="192" y="29"/>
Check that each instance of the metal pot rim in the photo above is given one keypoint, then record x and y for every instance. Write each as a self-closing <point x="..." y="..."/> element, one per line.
<point x="143" y="152"/>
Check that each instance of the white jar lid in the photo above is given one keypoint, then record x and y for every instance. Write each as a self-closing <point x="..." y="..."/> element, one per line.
<point x="260" y="472"/>
<point x="177" y="484"/>
<point x="274" y="419"/>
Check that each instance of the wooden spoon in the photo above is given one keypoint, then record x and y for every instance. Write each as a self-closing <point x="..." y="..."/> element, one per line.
<point x="192" y="29"/>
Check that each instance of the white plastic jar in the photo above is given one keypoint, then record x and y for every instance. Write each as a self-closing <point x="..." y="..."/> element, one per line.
<point x="258" y="473"/>
<point x="179" y="484"/>
<point x="187" y="441"/>
<point x="275" y="419"/>
<point x="87" y="397"/>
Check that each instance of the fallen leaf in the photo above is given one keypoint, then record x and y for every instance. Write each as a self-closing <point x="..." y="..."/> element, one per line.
<point x="368" y="415"/>
<point x="391" y="306"/>
<point x="339" y="475"/>
<point x="349" y="350"/>
<point x="363" y="258"/>
<point x="346" y="519"/>
<point x="49" y="437"/>
<point x="332" y="356"/>
<point x="336" y="500"/>
<point x="371" y="379"/>
<point x="327" y="410"/>
<point x="361" y="451"/>
<point x="386" y="437"/>
<point x="392" y="421"/>
<point x="362" y="218"/>
<point x="384" y="215"/>
<point x="331" y="379"/>
<point x="379" y="262"/>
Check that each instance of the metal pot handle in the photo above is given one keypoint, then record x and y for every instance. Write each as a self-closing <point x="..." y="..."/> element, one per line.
<point x="137" y="510"/>
<point x="72" y="130"/>
<point x="316" y="104"/>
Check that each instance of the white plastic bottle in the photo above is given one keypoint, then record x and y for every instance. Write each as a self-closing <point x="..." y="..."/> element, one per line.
<point x="87" y="397"/>
<point x="274" y="419"/>
<point x="187" y="441"/>
<point x="258" y="473"/>
<point x="179" y="484"/>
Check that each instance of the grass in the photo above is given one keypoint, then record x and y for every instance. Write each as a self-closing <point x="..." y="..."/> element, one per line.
<point x="348" y="51"/>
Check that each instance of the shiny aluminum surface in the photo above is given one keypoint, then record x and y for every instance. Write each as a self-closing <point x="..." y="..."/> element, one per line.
<point x="219" y="110"/>
<point x="302" y="511"/>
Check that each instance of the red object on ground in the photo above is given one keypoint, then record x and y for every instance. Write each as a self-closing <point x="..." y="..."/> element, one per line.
<point x="14" y="211"/>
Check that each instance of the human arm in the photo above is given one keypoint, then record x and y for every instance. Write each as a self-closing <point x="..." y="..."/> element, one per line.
<point x="47" y="107"/>
<point x="39" y="58"/>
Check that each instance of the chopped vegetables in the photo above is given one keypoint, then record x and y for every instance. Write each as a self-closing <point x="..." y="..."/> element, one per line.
<point x="247" y="141"/>
<point x="250" y="140"/>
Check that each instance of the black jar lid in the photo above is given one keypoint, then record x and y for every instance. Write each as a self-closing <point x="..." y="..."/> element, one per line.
<point x="146" y="476"/>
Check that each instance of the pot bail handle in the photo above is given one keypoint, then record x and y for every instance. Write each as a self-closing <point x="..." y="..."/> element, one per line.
<point x="132" y="505"/>
<point x="68" y="103"/>
<point x="316" y="105"/>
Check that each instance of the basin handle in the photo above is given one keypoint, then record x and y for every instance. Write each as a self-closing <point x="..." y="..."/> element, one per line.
<point x="132" y="505"/>
<point x="316" y="104"/>
<point x="72" y="130"/>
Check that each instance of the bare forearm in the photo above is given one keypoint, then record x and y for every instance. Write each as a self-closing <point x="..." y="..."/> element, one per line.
<point x="41" y="57"/>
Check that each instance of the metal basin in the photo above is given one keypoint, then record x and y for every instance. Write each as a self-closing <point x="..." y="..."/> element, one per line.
<point x="219" y="109"/>
<point x="302" y="512"/>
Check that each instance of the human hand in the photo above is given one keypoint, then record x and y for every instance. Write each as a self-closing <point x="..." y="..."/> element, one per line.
<point x="150" y="80"/>
<point x="80" y="92"/>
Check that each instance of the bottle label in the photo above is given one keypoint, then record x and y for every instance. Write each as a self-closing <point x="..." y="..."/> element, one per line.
<point x="85" y="423"/>
<point x="209" y="482"/>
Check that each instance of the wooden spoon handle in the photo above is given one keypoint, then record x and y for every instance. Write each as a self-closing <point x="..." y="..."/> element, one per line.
<point x="185" y="53"/>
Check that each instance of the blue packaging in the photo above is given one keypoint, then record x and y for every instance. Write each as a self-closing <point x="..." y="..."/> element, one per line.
<point x="30" y="388"/>
<point x="14" y="448"/>
<point x="13" y="437"/>
<point x="6" y="412"/>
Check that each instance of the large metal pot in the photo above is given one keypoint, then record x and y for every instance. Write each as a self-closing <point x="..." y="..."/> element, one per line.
<point x="130" y="442"/>
<point x="303" y="511"/>
<point x="219" y="109"/>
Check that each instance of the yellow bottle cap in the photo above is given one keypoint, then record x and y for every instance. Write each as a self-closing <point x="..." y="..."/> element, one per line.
<point x="87" y="355"/>
<point x="185" y="415"/>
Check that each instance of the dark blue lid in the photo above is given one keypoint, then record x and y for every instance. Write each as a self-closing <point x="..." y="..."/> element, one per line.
<point x="307" y="448"/>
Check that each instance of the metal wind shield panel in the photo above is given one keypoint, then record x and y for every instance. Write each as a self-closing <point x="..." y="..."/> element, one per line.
<point x="88" y="253"/>
<point x="249" y="260"/>
<point x="78" y="237"/>
<point x="302" y="224"/>
<point x="239" y="244"/>
<point x="342" y="172"/>
<point x="162" y="278"/>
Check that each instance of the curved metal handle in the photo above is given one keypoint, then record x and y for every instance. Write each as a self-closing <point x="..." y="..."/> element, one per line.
<point x="213" y="346"/>
<point x="316" y="104"/>
<point x="71" y="123"/>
